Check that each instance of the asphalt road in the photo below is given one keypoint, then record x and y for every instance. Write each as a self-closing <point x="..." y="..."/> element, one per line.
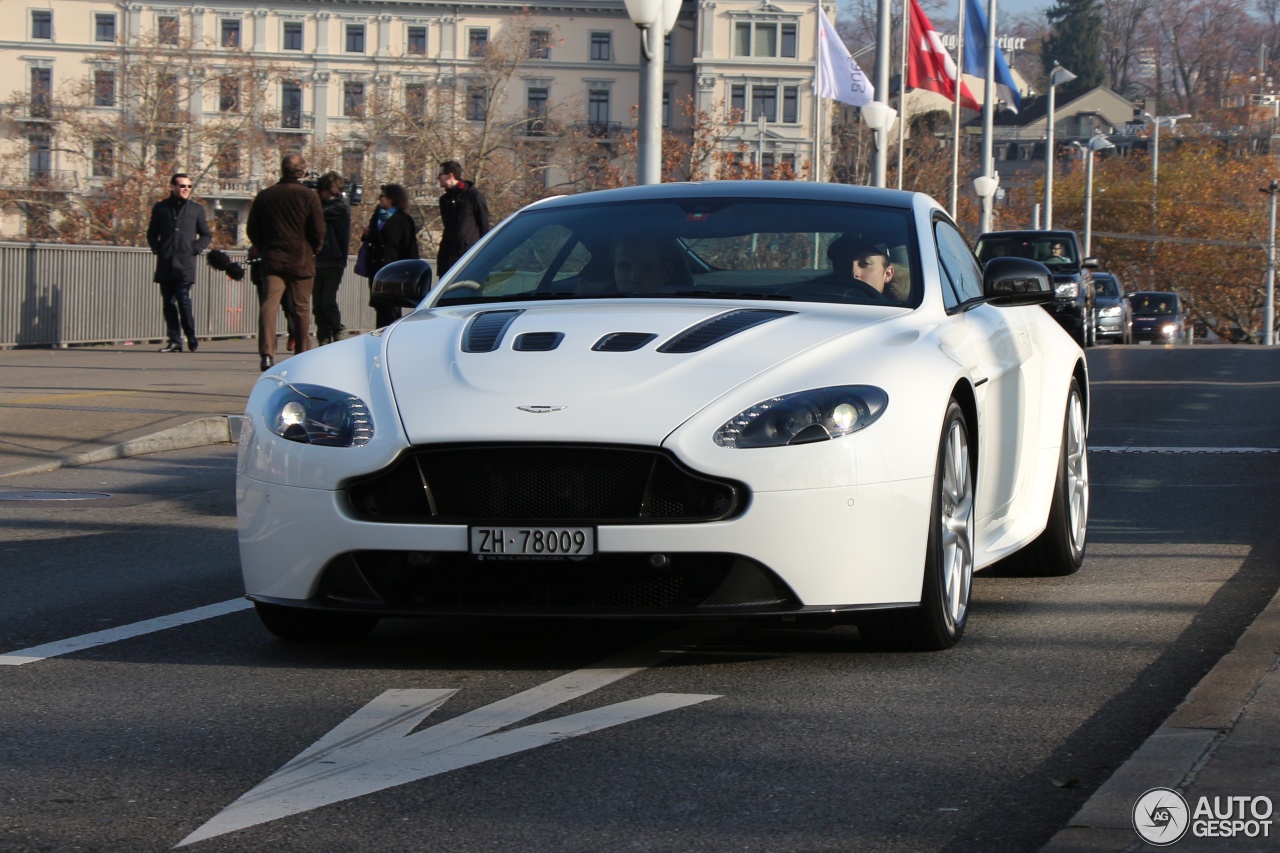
<point x="722" y="738"/>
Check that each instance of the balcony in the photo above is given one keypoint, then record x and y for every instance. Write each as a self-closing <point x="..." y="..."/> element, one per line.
<point x="230" y="188"/>
<point x="538" y="126"/>
<point x="289" y="121"/>
<point x="600" y="129"/>
<point x="50" y="180"/>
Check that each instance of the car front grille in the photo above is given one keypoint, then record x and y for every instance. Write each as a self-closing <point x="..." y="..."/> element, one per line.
<point x="542" y="483"/>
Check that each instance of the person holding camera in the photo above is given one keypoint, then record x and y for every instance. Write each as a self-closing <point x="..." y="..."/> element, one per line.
<point x="331" y="261"/>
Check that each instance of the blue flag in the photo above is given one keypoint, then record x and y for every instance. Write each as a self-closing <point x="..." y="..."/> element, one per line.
<point x="975" y="56"/>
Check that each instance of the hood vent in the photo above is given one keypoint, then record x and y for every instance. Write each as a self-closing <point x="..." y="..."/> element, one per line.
<point x="623" y="341"/>
<point x="484" y="332"/>
<point x="538" y="341"/>
<point x="716" y="329"/>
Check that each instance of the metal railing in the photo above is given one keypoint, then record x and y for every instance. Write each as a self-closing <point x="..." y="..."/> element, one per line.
<point x="53" y="295"/>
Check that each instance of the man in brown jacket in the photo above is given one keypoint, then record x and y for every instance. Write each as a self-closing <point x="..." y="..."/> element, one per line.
<point x="286" y="226"/>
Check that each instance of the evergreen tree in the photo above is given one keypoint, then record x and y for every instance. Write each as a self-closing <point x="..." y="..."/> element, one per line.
<point x="1075" y="42"/>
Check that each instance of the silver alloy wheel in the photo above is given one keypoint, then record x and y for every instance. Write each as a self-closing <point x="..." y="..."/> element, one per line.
<point x="1077" y="472"/>
<point x="957" y="523"/>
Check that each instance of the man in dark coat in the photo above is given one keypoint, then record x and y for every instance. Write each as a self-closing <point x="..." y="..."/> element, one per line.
<point x="177" y="234"/>
<point x="332" y="260"/>
<point x="286" y="226"/>
<point x="464" y="214"/>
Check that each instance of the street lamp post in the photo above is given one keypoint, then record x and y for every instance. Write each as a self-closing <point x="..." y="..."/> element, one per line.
<point x="879" y="116"/>
<point x="1269" y="315"/>
<point x="1057" y="75"/>
<point x="1096" y="143"/>
<point x="1156" y="121"/>
<point x="655" y="18"/>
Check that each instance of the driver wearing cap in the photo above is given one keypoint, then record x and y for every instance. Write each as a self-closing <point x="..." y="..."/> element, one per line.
<point x="854" y="256"/>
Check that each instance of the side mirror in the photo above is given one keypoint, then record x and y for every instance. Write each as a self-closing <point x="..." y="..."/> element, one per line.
<point x="1017" y="281"/>
<point x="1090" y="263"/>
<point x="401" y="284"/>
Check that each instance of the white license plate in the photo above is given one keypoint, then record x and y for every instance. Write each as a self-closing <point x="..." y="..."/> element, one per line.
<point x="558" y="542"/>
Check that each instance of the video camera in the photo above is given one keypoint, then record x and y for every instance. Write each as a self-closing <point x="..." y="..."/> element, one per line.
<point x="352" y="190"/>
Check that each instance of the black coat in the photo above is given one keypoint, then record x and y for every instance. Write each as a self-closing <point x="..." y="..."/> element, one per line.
<point x="396" y="240"/>
<point x="286" y="226"/>
<point x="177" y="234"/>
<point x="337" y="234"/>
<point x="465" y="217"/>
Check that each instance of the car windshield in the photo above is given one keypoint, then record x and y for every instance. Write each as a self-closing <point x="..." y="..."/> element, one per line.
<point x="1048" y="250"/>
<point x="1106" y="285"/>
<point x="756" y="248"/>
<point x="1157" y="304"/>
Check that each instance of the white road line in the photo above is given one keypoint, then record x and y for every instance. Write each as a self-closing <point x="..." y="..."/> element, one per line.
<point x="124" y="632"/>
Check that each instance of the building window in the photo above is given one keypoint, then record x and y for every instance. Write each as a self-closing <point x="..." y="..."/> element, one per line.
<point x="41" y="92"/>
<point x="167" y="97"/>
<point x="229" y="95"/>
<point x="598" y="110"/>
<point x="764" y="39"/>
<point x="104" y="27"/>
<point x="353" y="99"/>
<point x="41" y="156"/>
<point x="415" y="102"/>
<point x="790" y="104"/>
<point x="737" y="102"/>
<point x="166" y="154"/>
<point x="355" y="38"/>
<point x="788" y="163"/>
<point x="416" y="42"/>
<point x="540" y="44"/>
<point x="230" y="35"/>
<point x="477" y="102"/>
<point x="292" y="35"/>
<point x="42" y="24"/>
<point x="536" y="102"/>
<point x="104" y="88"/>
<point x="764" y="102"/>
<point x="168" y="30"/>
<point x="666" y="49"/>
<point x="666" y="108"/>
<point x="602" y="47"/>
<point x="104" y="159"/>
<point x="353" y="164"/>
<point x="290" y="104"/>
<point x="228" y="161"/>
<point x="477" y="42"/>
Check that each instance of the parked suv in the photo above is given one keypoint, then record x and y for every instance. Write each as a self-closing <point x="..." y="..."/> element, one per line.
<point x="1157" y="316"/>
<point x="1112" y="318"/>
<point x="1073" y="303"/>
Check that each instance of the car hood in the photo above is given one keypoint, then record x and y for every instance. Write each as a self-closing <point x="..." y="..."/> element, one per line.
<point x="606" y="371"/>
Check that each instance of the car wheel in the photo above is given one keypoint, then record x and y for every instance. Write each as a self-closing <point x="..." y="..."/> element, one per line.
<point x="939" y="621"/>
<point x="291" y="623"/>
<point x="1059" y="550"/>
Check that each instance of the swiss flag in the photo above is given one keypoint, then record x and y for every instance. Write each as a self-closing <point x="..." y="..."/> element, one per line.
<point x="929" y="66"/>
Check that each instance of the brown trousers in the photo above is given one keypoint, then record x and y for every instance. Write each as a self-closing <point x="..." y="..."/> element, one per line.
<point x="273" y="288"/>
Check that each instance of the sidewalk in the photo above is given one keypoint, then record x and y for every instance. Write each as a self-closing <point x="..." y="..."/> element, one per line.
<point x="86" y="404"/>
<point x="81" y="405"/>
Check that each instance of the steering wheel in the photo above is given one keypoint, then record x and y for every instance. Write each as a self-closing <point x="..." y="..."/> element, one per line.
<point x="851" y="289"/>
<point x="473" y="286"/>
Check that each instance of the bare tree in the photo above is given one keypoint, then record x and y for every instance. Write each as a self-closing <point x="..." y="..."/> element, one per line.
<point x="1122" y="30"/>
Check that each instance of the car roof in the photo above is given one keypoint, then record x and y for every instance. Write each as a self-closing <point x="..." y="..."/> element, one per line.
<point x="791" y="190"/>
<point x="1027" y="234"/>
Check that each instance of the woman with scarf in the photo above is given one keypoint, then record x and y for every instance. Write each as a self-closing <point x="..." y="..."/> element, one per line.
<point x="391" y="235"/>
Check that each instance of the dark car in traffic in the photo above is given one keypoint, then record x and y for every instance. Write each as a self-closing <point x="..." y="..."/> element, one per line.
<point x="1073" y="302"/>
<point x="1157" y="316"/>
<point x="1113" y="318"/>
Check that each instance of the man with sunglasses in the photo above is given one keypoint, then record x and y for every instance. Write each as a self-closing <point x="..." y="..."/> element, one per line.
<point x="178" y="233"/>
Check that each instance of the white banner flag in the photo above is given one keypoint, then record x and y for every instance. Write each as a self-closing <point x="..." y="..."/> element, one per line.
<point x="839" y="77"/>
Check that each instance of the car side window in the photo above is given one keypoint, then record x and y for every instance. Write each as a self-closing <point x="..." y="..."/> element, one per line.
<point x="961" y="273"/>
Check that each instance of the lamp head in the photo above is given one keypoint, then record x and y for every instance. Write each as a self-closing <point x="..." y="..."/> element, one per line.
<point x="1060" y="75"/>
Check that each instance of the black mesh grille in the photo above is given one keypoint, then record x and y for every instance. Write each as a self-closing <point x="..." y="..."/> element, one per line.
<point x="718" y="328"/>
<point x="539" y="483"/>
<point x="538" y="341"/>
<point x="623" y="341"/>
<point x="486" y="330"/>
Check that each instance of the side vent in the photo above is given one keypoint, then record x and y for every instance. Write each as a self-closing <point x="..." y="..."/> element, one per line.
<point x="484" y="332"/>
<point x="716" y="329"/>
<point x="623" y="341"/>
<point x="538" y="341"/>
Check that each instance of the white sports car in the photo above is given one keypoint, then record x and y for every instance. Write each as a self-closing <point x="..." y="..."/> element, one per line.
<point x="739" y="399"/>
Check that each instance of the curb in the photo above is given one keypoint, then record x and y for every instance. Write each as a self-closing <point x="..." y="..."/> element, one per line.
<point x="220" y="429"/>
<point x="1176" y="752"/>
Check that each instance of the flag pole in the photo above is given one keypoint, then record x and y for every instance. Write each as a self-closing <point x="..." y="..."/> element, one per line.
<point x="902" y="91"/>
<point x="955" y="116"/>
<point x="988" y="114"/>
<point x="817" y="99"/>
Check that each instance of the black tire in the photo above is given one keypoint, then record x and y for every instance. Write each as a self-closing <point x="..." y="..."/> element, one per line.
<point x="1059" y="550"/>
<point x="291" y="623"/>
<point x="939" y="621"/>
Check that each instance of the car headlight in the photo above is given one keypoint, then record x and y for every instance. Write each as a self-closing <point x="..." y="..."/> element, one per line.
<point x="1109" y="311"/>
<point x="1067" y="290"/>
<point x="804" y="417"/>
<point x="1169" y="328"/>
<point x="313" y="414"/>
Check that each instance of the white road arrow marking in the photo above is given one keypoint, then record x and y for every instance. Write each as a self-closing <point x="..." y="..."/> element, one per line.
<point x="373" y="750"/>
